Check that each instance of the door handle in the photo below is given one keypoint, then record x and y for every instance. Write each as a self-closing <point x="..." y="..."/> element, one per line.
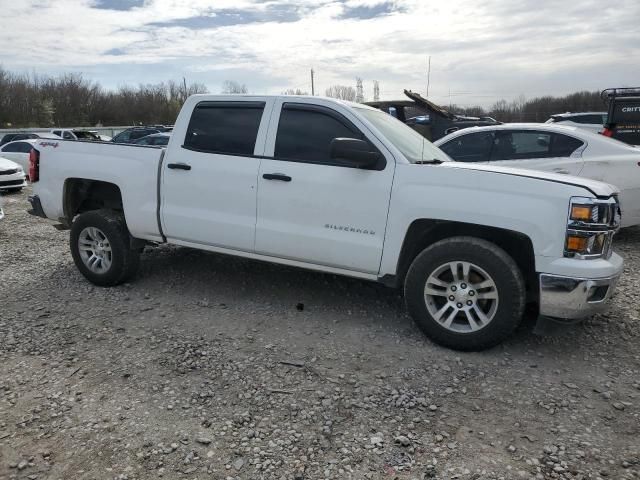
<point x="561" y="170"/>
<point x="179" y="166"/>
<point x="277" y="176"/>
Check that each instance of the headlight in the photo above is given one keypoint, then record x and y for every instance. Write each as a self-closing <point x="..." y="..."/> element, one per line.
<point x="590" y="228"/>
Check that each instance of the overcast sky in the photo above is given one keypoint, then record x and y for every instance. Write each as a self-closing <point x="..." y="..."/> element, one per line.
<point x="481" y="50"/>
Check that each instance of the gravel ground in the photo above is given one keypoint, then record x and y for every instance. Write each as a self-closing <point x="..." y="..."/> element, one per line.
<point x="208" y="366"/>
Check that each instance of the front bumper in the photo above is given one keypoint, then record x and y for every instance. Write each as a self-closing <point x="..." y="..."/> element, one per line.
<point x="11" y="182"/>
<point x="571" y="298"/>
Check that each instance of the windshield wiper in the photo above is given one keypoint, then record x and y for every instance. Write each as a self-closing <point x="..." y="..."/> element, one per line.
<point x="433" y="161"/>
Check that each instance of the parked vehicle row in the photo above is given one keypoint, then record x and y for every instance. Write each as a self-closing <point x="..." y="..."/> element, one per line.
<point x="12" y="137"/>
<point x="130" y="135"/>
<point x="345" y="189"/>
<point x="80" y="134"/>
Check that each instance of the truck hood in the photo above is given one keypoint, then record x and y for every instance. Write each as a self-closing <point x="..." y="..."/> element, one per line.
<point x="599" y="189"/>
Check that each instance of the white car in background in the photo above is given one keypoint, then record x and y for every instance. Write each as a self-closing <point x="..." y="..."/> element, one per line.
<point x="592" y="121"/>
<point x="18" y="152"/>
<point x="554" y="148"/>
<point x="78" y="134"/>
<point x="12" y="176"/>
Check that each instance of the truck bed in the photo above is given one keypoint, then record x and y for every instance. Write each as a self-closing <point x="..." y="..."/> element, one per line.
<point x="133" y="169"/>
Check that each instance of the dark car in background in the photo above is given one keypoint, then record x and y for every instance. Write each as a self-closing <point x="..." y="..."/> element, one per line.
<point x="427" y="118"/>
<point x="623" y="115"/>
<point x="12" y="137"/>
<point x="156" y="139"/>
<point x="134" y="133"/>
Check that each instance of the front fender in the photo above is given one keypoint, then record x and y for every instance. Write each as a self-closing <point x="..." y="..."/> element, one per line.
<point x="536" y="208"/>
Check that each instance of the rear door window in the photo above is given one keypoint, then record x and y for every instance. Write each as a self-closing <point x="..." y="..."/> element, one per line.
<point x="522" y="145"/>
<point x="519" y="145"/>
<point x="229" y="128"/>
<point x="473" y="147"/>
<point x="564" y="145"/>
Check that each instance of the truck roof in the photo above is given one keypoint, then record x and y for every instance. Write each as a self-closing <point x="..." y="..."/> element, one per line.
<point x="250" y="97"/>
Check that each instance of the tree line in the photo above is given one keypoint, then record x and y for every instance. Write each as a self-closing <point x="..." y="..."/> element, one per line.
<point x="72" y="100"/>
<point x="31" y="100"/>
<point x="537" y="109"/>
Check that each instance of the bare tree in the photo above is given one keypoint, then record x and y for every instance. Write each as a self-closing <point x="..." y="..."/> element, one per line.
<point x="359" y="90"/>
<point x="376" y="90"/>
<point x="341" y="92"/>
<point x="233" y="87"/>
<point x="294" y="91"/>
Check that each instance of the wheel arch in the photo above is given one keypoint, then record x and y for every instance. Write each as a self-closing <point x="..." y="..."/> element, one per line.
<point x="82" y="195"/>
<point x="425" y="232"/>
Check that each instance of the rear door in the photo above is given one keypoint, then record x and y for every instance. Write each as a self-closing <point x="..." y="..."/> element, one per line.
<point x="313" y="209"/>
<point x="209" y="175"/>
<point x="538" y="150"/>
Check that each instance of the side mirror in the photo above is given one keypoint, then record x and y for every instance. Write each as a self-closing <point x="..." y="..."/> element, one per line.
<point x="358" y="153"/>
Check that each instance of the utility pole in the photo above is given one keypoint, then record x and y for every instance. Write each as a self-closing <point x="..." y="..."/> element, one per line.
<point x="428" y="76"/>
<point x="184" y="83"/>
<point x="313" y="89"/>
<point x="359" y="90"/>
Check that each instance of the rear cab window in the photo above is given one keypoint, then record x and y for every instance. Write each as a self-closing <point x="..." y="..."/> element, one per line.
<point x="227" y="128"/>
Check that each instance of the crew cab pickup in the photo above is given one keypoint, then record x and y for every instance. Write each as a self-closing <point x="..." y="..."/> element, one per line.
<point x="345" y="189"/>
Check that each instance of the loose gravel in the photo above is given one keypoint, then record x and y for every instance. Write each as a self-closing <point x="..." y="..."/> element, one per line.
<point x="212" y="367"/>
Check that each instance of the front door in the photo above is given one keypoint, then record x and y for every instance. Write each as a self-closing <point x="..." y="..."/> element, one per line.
<point x="316" y="210"/>
<point x="209" y="176"/>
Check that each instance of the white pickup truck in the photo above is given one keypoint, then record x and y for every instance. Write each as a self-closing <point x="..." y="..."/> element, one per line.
<point x="346" y="189"/>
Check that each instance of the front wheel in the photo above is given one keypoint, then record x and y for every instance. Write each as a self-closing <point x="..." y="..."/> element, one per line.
<point x="465" y="293"/>
<point x="100" y="246"/>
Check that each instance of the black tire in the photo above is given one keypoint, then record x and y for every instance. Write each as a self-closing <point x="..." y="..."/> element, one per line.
<point x="496" y="262"/>
<point x="124" y="259"/>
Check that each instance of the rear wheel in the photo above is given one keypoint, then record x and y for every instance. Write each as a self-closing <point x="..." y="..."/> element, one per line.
<point x="465" y="293"/>
<point x="100" y="246"/>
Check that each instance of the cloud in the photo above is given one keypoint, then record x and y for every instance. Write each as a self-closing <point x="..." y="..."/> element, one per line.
<point x="119" y="4"/>
<point x="481" y="51"/>
<point x="365" y="12"/>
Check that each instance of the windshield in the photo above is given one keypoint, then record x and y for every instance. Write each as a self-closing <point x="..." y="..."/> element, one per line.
<point x="412" y="145"/>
